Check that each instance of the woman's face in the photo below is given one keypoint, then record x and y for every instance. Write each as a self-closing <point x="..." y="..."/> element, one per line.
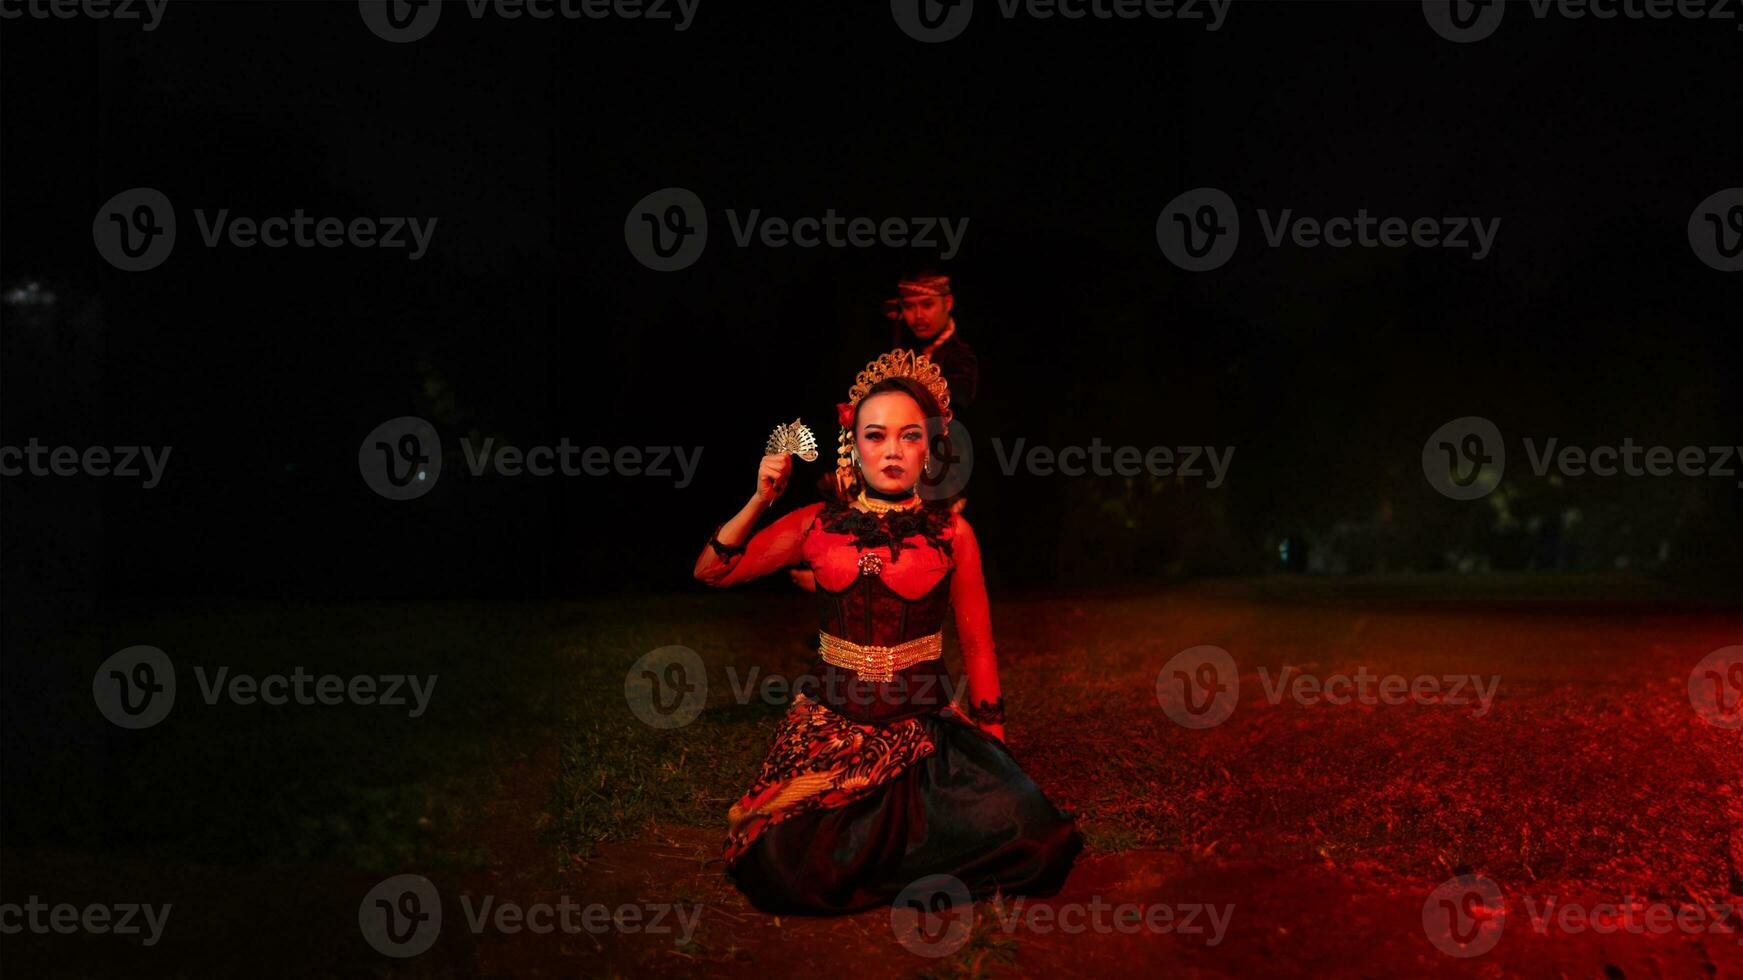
<point x="891" y="441"/>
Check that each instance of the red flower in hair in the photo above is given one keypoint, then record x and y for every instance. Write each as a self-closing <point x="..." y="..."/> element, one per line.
<point x="844" y="414"/>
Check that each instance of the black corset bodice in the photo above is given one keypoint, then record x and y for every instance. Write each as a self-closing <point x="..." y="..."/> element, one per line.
<point x="882" y="553"/>
<point x="870" y="612"/>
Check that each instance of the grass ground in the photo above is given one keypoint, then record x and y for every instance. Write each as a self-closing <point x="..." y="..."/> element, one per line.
<point x="1325" y="827"/>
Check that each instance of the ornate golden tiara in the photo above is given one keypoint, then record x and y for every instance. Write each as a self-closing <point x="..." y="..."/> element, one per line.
<point x="902" y="363"/>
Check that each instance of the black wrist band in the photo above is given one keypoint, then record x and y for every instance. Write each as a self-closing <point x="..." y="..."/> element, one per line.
<point x="988" y="712"/>
<point x="724" y="550"/>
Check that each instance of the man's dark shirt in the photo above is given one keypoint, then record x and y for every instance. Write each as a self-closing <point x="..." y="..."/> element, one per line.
<point x="956" y="359"/>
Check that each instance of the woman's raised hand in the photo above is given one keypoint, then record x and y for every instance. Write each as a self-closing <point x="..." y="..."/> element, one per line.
<point x="772" y="476"/>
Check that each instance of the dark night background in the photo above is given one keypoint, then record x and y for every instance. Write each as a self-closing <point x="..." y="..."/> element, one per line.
<point x="1326" y="369"/>
<point x="529" y="320"/>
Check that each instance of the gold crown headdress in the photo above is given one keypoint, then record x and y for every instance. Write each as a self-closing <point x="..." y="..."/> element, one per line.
<point x="898" y="363"/>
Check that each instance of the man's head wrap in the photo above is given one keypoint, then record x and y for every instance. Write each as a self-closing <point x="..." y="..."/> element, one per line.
<point x="913" y="286"/>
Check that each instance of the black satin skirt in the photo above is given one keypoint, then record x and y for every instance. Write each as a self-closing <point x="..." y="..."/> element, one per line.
<point x="965" y="810"/>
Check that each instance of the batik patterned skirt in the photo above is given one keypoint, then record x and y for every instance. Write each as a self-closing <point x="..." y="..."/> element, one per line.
<point x="843" y="816"/>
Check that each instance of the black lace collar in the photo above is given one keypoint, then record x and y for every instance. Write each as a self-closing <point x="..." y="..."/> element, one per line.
<point x="892" y="529"/>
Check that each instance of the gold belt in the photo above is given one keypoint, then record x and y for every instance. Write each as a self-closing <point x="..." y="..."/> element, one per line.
<point x="879" y="664"/>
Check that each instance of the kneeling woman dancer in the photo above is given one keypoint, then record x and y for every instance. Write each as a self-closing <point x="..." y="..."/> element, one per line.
<point x="874" y="779"/>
